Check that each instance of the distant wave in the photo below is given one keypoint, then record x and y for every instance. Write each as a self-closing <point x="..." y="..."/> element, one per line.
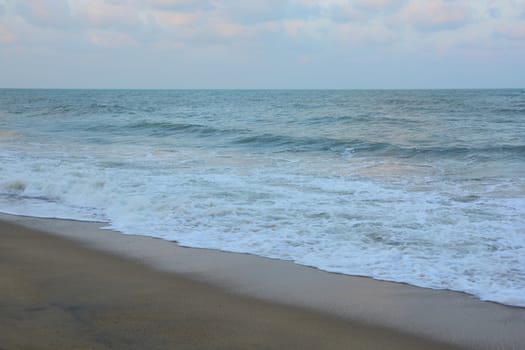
<point x="166" y="128"/>
<point x="308" y="144"/>
<point x="322" y="144"/>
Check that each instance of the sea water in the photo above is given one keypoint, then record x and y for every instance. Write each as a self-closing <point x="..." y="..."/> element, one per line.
<point x="423" y="187"/>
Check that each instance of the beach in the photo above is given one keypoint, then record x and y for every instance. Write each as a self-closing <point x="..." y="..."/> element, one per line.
<point x="71" y="285"/>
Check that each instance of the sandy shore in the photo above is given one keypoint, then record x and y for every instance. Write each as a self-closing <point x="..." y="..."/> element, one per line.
<point x="100" y="289"/>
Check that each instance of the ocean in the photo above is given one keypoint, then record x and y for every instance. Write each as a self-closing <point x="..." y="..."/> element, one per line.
<point x="425" y="187"/>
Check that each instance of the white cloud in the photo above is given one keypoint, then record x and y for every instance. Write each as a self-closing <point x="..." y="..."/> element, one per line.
<point x="181" y="5"/>
<point x="434" y="15"/>
<point x="104" y="13"/>
<point x="109" y="39"/>
<point x="6" y="36"/>
<point x="272" y="30"/>
<point x="515" y="31"/>
<point x="49" y="13"/>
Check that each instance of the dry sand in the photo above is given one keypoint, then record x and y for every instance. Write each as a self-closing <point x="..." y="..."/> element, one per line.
<point x="100" y="289"/>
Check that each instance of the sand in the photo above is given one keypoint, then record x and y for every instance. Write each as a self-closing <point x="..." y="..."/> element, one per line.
<point x="70" y="285"/>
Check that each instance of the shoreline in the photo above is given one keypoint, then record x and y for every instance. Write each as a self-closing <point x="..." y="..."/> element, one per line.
<point x="436" y="315"/>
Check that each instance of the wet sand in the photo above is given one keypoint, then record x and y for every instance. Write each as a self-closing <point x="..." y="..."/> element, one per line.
<point x="83" y="288"/>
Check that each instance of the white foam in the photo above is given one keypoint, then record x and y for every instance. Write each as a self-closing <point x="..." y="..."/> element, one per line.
<point x="321" y="212"/>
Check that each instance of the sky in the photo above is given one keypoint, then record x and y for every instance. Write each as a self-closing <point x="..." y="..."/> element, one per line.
<point x="256" y="44"/>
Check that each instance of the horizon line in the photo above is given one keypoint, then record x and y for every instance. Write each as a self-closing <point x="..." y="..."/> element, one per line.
<point x="260" y="89"/>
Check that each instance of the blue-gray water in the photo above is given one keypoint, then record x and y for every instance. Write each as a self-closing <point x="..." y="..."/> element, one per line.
<point x="423" y="187"/>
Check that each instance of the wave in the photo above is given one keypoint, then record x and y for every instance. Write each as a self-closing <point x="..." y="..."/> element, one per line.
<point x="223" y="136"/>
<point x="367" y="148"/>
<point x="491" y="151"/>
<point x="168" y="129"/>
<point x="309" y="144"/>
<point x="245" y="138"/>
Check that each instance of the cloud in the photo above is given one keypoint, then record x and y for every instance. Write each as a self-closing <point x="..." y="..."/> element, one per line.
<point x="193" y="28"/>
<point x="109" y="39"/>
<point x="433" y="15"/>
<point x="371" y="36"/>
<point x="228" y="22"/>
<point x="494" y="12"/>
<point x="6" y="36"/>
<point x="379" y="5"/>
<point x="206" y="22"/>
<point x="231" y="30"/>
<point x="260" y="11"/>
<point x="363" y="10"/>
<point x="182" y="5"/>
<point x="294" y="27"/>
<point x="341" y="13"/>
<point x="310" y="34"/>
<point x="175" y="20"/>
<point x="49" y="13"/>
<point x="301" y="26"/>
<point x="101" y="13"/>
<point x="514" y="31"/>
<point x="256" y="11"/>
<point x="23" y="36"/>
